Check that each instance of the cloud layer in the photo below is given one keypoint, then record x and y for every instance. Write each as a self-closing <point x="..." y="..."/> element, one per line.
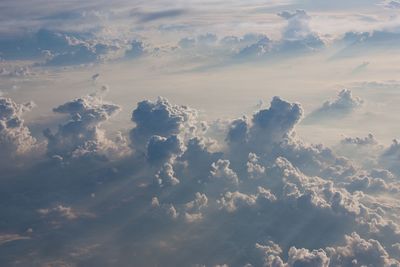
<point x="263" y="198"/>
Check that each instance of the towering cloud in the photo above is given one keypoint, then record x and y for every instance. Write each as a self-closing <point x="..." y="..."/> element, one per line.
<point x="160" y="118"/>
<point x="298" y="35"/>
<point x="16" y="141"/>
<point x="82" y="135"/>
<point x="243" y="195"/>
<point x="267" y="127"/>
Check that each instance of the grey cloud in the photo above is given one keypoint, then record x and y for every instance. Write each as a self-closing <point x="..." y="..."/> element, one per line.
<point x="220" y="171"/>
<point x="159" y="118"/>
<point x="361" y="252"/>
<point x="368" y="140"/>
<point x="391" y="156"/>
<point x="298" y="35"/>
<point x="356" y="252"/>
<point x="364" y="151"/>
<point x="392" y="4"/>
<point x="161" y="149"/>
<point x="360" y="43"/>
<point x="267" y="127"/>
<point x="57" y="48"/>
<point x="180" y="193"/>
<point x="298" y="24"/>
<point x="344" y="104"/>
<point x="202" y="41"/>
<point x="166" y="176"/>
<point x="157" y="15"/>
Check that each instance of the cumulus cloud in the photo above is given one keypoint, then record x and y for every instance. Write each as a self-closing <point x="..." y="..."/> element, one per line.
<point x="296" y="38"/>
<point x="392" y="4"/>
<point x="60" y="48"/>
<point x="390" y="157"/>
<point x="360" y="43"/>
<point x="267" y="126"/>
<point x="344" y="104"/>
<point x="160" y="118"/>
<point x="166" y="176"/>
<point x="356" y="252"/>
<point x="298" y="24"/>
<point x="220" y="171"/>
<point x="16" y="140"/>
<point x="161" y="149"/>
<point x="180" y="191"/>
<point x="169" y="191"/>
<point x="82" y="135"/>
<point x="298" y="35"/>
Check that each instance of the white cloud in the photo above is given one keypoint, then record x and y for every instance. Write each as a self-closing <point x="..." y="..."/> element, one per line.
<point x="16" y="140"/>
<point x="81" y="135"/>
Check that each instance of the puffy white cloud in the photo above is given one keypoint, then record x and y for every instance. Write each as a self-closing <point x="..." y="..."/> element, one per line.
<point x="82" y="135"/>
<point x="267" y="126"/>
<point x="360" y="252"/>
<point x="264" y="186"/>
<point x="254" y="169"/>
<point x="231" y="201"/>
<point x="160" y="118"/>
<point x="220" y="171"/>
<point x="193" y="208"/>
<point x="355" y="252"/>
<point x="166" y="176"/>
<point x="16" y="140"/>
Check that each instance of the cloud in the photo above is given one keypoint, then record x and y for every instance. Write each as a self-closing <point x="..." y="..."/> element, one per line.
<point x="60" y="48"/>
<point x="183" y="192"/>
<point x="17" y="143"/>
<point x="220" y="171"/>
<point x="159" y="118"/>
<point x="166" y="176"/>
<point x="392" y="4"/>
<point x="81" y="135"/>
<point x="357" y="251"/>
<point x="297" y="35"/>
<point x="161" y="149"/>
<point x="298" y="25"/>
<point x="296" y="39"/>
<point x="361" y="43"/>
<point x="364" y="151"/>
<point x="343" y="105"/>
<point x="266" y="128"/>
<point x="391" y="156"/>
<point x="157" y="15"/>
<point x="135" y="50"/>
<point x="11" y="237"/>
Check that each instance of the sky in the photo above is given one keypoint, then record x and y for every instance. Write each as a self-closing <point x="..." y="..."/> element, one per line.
<point x="200" y="133"/>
